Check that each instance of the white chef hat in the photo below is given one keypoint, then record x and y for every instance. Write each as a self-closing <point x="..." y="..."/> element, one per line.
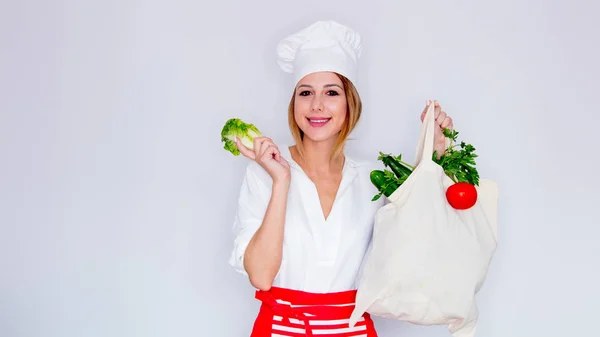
<point x="322" y="46"/>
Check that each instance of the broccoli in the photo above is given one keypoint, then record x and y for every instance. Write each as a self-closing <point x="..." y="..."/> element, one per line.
<point x="235" y="127"/>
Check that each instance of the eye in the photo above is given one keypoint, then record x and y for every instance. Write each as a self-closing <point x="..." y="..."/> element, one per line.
<point x="304" y="93"/>
<point x="332" y="93"/>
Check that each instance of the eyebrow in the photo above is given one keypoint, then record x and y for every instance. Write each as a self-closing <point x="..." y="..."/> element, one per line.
<point x="325" y="86"/>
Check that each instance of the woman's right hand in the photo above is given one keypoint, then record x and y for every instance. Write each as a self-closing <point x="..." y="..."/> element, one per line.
<point x="267" y="155"/>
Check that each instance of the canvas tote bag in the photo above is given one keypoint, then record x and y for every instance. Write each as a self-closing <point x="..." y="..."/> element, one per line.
<point x="428" y="260"/>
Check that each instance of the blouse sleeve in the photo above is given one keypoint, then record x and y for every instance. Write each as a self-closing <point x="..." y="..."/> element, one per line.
<point x="253" y="200"/>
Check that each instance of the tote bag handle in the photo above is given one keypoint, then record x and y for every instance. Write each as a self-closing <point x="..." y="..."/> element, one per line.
<point x="425" y="146"/>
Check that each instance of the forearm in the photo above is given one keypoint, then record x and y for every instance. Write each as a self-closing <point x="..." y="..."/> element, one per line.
<point x="263" y="255"/>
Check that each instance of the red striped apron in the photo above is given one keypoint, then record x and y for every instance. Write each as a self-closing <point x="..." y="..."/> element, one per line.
<point x="292" y="313"/>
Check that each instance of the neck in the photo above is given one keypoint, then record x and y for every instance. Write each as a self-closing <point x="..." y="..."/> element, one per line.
<point x="318" y="157"/>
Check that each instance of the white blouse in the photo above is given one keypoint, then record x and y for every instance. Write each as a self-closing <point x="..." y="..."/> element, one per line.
<point x="319" y="255"/>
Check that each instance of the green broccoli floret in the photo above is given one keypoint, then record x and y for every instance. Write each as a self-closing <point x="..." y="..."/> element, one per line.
<point x="235" y="127"/>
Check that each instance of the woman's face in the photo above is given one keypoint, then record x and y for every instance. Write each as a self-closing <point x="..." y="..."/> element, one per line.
<point x="320" y="106"/>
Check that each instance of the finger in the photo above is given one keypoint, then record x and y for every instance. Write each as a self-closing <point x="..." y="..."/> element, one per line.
<point x="283" y="162"/>
<point x="447" y="123"/>
<point x="269" y="152"/>
<point x="246" y="152"/>
<point x="267" y="142"/>
<point x="275" y="152"/>
<point x="427" y="103"/>
<point x="438" y="110"/>
<point x="261" y="145"/>
<point x="269" y="147"/>
<point x="258" y="142"/>
<point x="440" y="118"/>
<point x="280" y="159"/>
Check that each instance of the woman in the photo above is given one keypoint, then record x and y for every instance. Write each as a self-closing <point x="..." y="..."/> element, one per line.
<point x="305" y="215"/>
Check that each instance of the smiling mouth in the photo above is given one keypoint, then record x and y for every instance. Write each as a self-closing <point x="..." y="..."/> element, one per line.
<point x="318" y="121"/>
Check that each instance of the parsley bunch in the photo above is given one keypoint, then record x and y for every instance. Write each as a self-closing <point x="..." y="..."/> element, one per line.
<point x="459" y="164"/>
<point x="457" y="161"/>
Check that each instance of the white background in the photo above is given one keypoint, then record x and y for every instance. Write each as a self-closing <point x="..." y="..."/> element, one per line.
<point x="117" y="200"/>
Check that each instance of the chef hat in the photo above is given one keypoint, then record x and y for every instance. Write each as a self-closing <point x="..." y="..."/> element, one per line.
<point x="322" y="46"/>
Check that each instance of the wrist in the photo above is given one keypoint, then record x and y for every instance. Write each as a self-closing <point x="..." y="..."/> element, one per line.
<point x="281" y="185"/>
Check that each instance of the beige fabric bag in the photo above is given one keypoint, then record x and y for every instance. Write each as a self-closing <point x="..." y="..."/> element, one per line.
<point x="428" y="260"/>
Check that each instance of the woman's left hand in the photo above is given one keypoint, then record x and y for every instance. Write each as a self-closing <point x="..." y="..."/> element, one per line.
<point x="442" y="121"/>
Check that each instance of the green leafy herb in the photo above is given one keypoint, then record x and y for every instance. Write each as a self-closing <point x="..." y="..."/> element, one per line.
<point x="458" y="162"/>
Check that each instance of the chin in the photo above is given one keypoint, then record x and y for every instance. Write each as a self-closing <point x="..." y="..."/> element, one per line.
<point x="320" y="136"/>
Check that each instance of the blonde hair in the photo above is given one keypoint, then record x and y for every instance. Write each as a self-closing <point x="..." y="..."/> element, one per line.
<point x="353" y="113"/>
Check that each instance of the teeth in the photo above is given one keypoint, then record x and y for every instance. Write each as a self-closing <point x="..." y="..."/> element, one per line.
<point x="319" y="120"/>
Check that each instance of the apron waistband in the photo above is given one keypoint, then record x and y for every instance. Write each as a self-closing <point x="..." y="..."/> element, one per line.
<point x="307" y="306"/>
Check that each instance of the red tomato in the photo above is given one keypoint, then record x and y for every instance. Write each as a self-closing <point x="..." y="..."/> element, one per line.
<point x="461" y="195"/>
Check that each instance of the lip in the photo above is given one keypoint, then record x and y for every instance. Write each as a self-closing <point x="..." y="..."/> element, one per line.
<point x="318" y="121"/>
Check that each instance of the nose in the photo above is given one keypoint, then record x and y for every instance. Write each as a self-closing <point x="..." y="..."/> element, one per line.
<point x="317" y="103"/>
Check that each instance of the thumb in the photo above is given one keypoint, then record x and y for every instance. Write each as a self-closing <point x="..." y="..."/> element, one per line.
<point x="244" y="150"/>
